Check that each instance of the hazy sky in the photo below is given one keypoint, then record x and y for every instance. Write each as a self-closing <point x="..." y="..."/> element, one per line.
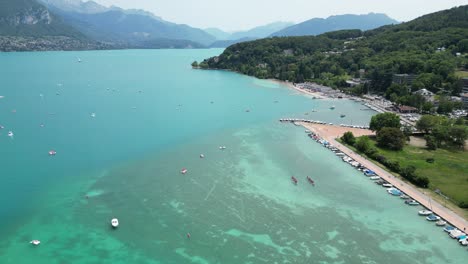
<point x="244" y="14"/>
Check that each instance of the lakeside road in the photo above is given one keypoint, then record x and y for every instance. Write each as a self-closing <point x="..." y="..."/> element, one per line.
<point x="331" y="133"/>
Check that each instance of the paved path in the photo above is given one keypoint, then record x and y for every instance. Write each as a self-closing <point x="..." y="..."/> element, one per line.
<point x="410" y="190"/>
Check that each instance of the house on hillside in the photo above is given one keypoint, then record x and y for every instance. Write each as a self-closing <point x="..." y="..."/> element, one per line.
<point x="404" y="78"/>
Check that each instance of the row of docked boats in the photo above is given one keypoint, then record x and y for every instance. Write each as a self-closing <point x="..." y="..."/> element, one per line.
<point x="459" y="235"/>
<point x="428" y="214"/>
<point x="295" y="121"/>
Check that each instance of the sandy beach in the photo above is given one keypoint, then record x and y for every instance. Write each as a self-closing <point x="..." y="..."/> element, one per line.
<point x="303" y="91"/>
<point x="331" y="133"/>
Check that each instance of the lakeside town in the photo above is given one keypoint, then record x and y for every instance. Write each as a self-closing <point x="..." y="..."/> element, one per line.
<point x="409" y="115"/>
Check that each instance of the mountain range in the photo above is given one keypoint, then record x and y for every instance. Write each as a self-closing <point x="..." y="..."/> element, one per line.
<point x="75" y="24"/>
<point x="318" y="26"/>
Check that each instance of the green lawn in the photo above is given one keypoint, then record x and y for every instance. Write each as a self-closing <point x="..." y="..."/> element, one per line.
<point x="461" y="74"/>
<point x="448" y="173"/>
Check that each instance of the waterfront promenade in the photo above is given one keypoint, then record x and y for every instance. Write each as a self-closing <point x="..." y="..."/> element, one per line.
<point x="331" y="133"/>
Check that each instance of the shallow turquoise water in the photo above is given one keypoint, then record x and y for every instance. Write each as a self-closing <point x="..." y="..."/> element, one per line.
<point x="153" y="116"/>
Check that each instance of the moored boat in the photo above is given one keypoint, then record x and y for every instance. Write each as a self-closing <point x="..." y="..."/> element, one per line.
<point x="387" y="185"/>
<point x="114" y="222"/>
<point x="411" y="202"/>
<point x="183" y="171"/>
<point x="441" y="223"/>
<point x="449" y="228"/>
<point x="311" y="181"/>
<point x="374" y="178"/>
<point x="433" y="217"/>
<point x="425" y="212"/>
<point x="404" y="196"/>
<point x="10" y="133"/>
<point x="394" y="191"/>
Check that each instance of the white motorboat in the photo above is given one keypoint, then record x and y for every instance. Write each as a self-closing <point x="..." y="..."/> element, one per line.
<point x="404" y="196"/>
<point x="52" y="152"/>
<point x="183" y="171"/>
<point x="93" y="115"/>
<point x="455" y="233"/>
<point x="10" y="133"/>
<point x="202" y="156"/>
<point x="433" y="217"/>
<point x="222" y="147"/>
<point x="115" y="222"/>
<point x="387" y="185"/>
<point x="425" y="212"/>
<point x="35" y="242"/>
<point x="411" y="202"/>
<point x="374" y="178"/>
<point x="441" y="223"/>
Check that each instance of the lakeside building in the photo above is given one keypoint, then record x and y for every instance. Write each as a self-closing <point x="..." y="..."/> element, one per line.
<point x="404" y="109"/>
<point x="464" y="98"/>
<point x="404" y="78"/>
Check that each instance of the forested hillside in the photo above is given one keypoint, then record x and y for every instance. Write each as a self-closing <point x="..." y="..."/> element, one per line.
<point x="431" y="47"/>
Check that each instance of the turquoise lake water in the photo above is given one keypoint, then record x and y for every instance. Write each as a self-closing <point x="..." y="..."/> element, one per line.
<point x="154" y="115"/>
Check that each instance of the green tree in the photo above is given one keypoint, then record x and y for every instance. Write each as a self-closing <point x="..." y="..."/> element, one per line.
<point x="458" y="135"/>
<point x="382" y="120"/>
<point x="427" y="122"/>
<point x="363" y="144"/>
<point x="349" y="138"/>
<point x="431" y="143"/>
<point x="391" y="138"/>
<point x="445" y="106"/>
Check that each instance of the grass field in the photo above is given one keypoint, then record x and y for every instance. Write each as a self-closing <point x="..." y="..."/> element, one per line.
<point x="448" y="172"/>
<point x="461" y="74"/>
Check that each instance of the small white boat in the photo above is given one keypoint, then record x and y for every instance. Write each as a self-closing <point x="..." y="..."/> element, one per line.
<point x="411" y="202"/>
<point x="222" y="147"/>
<point x="10" y="133"/>
<point x="93" y="115"/>
<point x="183" y="171"/>
<point x="387" y="185"/>
<point x="433" y="217"/>
<point x="425" y="212"/>
<point x="202" y="156"/>
<point x="35" y="242"/>
<point x="115" y="222"/>
<point x="52" y="152"/>
<point x="404" y="196"/>
<point x="441" y="223"/>
<point x="79" y="60"/>
<point x="374" y="178"/>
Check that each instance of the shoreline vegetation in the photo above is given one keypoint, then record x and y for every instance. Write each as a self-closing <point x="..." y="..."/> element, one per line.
<point x="455" y="216"/>
<point x="417" y="64"/>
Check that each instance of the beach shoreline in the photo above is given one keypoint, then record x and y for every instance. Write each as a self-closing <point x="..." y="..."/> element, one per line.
<point x="290" y="85"/>
<point x="331" y="133"/>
